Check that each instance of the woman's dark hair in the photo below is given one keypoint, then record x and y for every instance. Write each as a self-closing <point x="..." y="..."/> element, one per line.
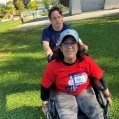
<point x="80" y="53"/>
<point x="54" y="8"/>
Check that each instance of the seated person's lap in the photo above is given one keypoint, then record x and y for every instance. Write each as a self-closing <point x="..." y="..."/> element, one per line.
<point x="67" y="106"/>
<point x="89" y="105"/>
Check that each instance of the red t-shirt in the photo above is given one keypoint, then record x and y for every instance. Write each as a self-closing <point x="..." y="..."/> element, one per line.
<point x="71" y="79"/>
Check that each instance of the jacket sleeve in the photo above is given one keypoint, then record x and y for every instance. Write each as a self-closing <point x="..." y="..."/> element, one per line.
<point x="45" y="93"/>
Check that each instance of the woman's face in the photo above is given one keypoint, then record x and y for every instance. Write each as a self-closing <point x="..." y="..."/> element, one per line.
<point x="69" y="48"/>
<point x="56" y="19"/>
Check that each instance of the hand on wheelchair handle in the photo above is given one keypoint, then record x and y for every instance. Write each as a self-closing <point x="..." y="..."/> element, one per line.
<point x="109" y="100"/>
<point x="84" y="47"/>
<point x="49" y="58"/>
<point x="45" y="108"/>
<point x="108" y="96"/>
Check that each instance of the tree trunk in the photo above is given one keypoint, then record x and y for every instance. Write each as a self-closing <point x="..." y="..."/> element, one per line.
<point x="21" y="15"/>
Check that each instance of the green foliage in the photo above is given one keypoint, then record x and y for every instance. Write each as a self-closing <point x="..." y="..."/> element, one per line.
<point x="22" y="63"/>
<point x="63" y="8"/>
<point x="54" y="2"/>
<point x="26" y="2"/>
<point x="20" y="5"/>
<point x="46" y="3"/>
<point x="33" y="5"/>
<point x="2" y="10"/>
<point x="49" y="3"/>
<point x="10" y="8"/>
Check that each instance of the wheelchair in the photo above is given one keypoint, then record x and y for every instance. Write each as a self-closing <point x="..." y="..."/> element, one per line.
<point x="53" y="114"/>
<point x="98" y="89"/>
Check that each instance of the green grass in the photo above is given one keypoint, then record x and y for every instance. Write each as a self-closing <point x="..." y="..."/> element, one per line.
<point x="22" y="62"/>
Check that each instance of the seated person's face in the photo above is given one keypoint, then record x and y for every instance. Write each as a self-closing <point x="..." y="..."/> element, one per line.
<point x="69" y="48"/>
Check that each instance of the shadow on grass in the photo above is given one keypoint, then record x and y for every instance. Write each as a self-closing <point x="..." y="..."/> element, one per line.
<point x="29" y="41"/>
<point x="25" y="112"/>
<point x="29" y="82"/>
<point x="29" y="72"/>
<point x="21" y="72"/>
<point x="24" y="64"/>
<point x="21" y="41"/>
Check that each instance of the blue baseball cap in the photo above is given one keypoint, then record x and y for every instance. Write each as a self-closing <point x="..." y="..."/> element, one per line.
<point x="67" y="32"/>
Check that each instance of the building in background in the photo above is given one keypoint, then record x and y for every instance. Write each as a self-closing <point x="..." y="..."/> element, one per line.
<point x="78" y="6"/>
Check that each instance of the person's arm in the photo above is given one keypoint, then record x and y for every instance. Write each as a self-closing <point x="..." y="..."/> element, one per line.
<point x="102" y="84"/>
<point x="45" y="42"/>
<point x="47" y="49"/>
<point x="107" y="95"/>
<point x="46" y="85"/>
<point x="98" y="74"/>
<point x="45" y="93"/>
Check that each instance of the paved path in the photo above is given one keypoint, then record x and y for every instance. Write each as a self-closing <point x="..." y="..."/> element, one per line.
<point x="86" y="15"/>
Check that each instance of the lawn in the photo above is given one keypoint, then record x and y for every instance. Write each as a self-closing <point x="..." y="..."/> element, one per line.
<point x="22" y="62"/>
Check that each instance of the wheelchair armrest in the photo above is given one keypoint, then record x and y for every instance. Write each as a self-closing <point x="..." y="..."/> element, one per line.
<point x="96" y="84"/>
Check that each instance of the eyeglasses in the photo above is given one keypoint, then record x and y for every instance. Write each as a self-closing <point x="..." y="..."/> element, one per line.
<point x="66" y="44"/>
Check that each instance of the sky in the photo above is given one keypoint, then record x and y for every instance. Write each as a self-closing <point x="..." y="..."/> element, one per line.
<point x="3" y="1"/>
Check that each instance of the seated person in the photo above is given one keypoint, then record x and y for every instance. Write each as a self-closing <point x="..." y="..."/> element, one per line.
<point x="71" y="72"/>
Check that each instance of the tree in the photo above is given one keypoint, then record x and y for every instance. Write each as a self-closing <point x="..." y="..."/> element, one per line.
<point x="49" y="3"/>
<point x="33" y="5"/>
<point x="20" y="7"/>
<point x="46" y="3"/>
<point x="10" y="9"/>
<point x="25" y="2"/>
<point x="2" y="10"/>
<point x="54" y="2"/>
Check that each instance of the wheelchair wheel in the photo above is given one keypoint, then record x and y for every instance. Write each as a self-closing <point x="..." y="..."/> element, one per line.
<point x="52" y="112"/>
